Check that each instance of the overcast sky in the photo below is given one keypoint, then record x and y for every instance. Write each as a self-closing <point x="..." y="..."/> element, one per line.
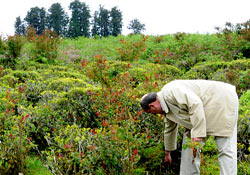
<point x="159" y="16"/>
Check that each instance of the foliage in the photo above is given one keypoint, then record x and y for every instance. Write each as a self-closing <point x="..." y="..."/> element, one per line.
<point x="58" y="19"/>
<point x="243" y="128"/>
<point x="35" y="166"/>
<point x="11" y="48"/>
<point x="84" y="112"/>
<point x="85" y="151"/>
<point x="131" y="51"/>
<point x="2" y="46"/>
<point x="234" y="72"/>
<point x="116" y="21"/>
<point x="20" y="28"/>
<point x="36" y="17"/>
<point x="244" y="102"/>
<point x="45" y="46"/>
<point x="79" y="22"/>
<point x="136" y="26"/>
<point x="14" y="128"/>
<point x="103" y="22"/>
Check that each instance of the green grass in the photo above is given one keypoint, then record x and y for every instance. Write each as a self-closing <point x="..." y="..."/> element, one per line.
<point x="35" y="167"/>
<point x="210" y="165"/>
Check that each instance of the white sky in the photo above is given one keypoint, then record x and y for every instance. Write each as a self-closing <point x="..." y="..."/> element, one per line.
<point x="159" y="16"/>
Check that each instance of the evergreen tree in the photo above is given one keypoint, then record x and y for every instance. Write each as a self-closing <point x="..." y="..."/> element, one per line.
<point x="79" y="22"/>
<point x="57" y="19"/>
<point x="104" y="22"/>
<point x="116" y="21"/>
<point x="36" y="18"/>
<point x="95" y="28"/>
<point x="101" y="23"/>
<point x="19" y="26"/>
<point x="136" y="26"/>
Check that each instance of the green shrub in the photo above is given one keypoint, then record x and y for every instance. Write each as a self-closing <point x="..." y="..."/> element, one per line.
<point x="65" y="84"/>
<point x="85" y="151"/>
<point x="13" y="48"/>
<point x="243" y="137"/>
<point x="75" y="107"/>
<point x="2" y="46"/>
<point x="155" y="71"/>
<point x="234" y="72"/>
<point x="45" y="46"/>
<point x="244" y="129"/>
<point x="9" y="80"/>
<point x="14" y="134"/>
<point x="244" y="102"/>
<point x="131" y="51"/>
<point x="23" y="76"/>
<point x="205" y="70"/>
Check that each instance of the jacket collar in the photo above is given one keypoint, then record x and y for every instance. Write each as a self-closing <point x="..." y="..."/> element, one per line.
<point x="162" y="102"/>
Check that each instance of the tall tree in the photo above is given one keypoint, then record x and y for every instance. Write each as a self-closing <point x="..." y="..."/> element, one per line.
<point x="101" y="22"/>
<point x="79" y="22"/>
<point x="136" y="26"/>
<point x="104" y="21"/>
<point x="19" y="26"/>
<point x="95" y="27"/>
<point x="116" y="21"/>
<point x="36" y="18"/>
<point x="58" y="19"/>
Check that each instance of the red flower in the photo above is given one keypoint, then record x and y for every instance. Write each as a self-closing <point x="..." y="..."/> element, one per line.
<point x="67" y="146"/>
<point x="113" y="131"/>
<point x="60" y="156"/>
<point x="27" y="115"/>
<point x="105" y="122"/>
<point x="91" y="147"/>
<point x="84" y="62"/>
<point x="139" y="113"/>
<point x="7" y="111"/>
<point x="93" y="131"/>
<point x="97" y="114"/>
<point x="21" y="121"/>
<point x="11" y="136"/>
<point x="20" y="89"/>
<point x="135" y="152"/>
<point x="155" y="84"/>
<point x="81" y="154"/>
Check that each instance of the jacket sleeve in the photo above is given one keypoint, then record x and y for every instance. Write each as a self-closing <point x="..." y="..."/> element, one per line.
<point x="170" y="135"/>
<point x="189" y="101"/>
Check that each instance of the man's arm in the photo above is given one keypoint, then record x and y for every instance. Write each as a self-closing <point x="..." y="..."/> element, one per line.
<point x="170" y="135"/>
<point x="189" y="100"/>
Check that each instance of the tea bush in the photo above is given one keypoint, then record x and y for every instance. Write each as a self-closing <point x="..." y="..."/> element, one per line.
<point x="244" y="102"/>
<point x="14" y="128"/>
<point x="2" y="46"/>
<point x="244" y="132"/>
<point x="11" y="48"/>
<point x="86" y="151"/>
<point x="45" y="46"/>
<point x="84" y="112"/>
<point x="131" y="51"/>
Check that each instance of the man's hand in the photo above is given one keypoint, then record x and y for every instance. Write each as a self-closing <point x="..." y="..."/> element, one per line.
<point x="197" y="139"/>
<point x="168" y="157"/>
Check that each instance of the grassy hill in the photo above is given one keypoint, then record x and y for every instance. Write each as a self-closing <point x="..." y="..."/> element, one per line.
<point x="74" y="103"/>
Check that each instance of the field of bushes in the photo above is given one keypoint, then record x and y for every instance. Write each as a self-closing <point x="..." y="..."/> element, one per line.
<point x="71" y="106"/>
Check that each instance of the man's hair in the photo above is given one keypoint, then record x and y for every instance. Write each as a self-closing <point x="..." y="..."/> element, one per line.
<point x="147" y="99"/>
